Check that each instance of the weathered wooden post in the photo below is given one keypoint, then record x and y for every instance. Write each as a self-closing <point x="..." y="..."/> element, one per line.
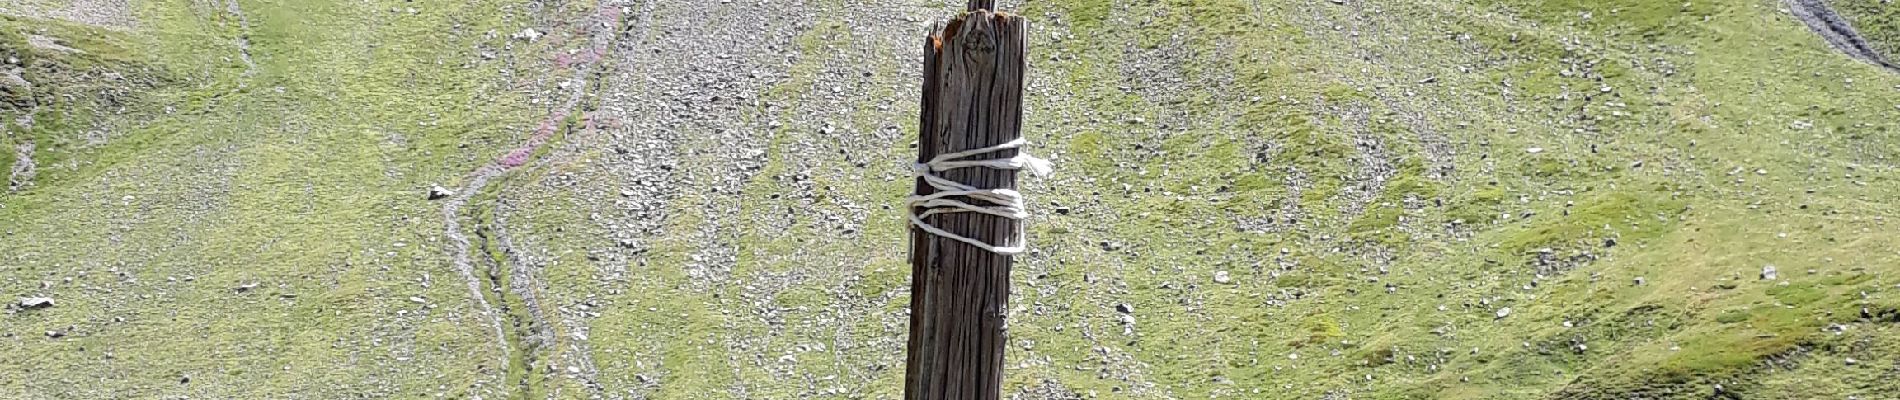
<point x="966" y="216"/>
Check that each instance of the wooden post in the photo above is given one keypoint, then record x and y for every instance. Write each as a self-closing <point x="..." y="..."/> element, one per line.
<point x="972" y="98"/>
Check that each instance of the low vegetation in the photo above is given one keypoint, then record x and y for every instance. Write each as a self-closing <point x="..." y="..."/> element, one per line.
<point x="1497" y="199"/>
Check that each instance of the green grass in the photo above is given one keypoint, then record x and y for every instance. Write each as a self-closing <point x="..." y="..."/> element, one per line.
<point x="1876" y="20"/>
<point x="1580" y="190"/>
<point x="294" y="179"/>
<point x="76" y="98"/>
<point x="1177" y="126"/>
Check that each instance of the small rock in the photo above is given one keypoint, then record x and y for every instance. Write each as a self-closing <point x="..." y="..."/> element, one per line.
<point x="1768" y="273"/>
<point x="1504" y="312"/>
<point x="527" y="34"/>
<point x="1535" y="150"/>
<point x="418" y="300"/>
<point x="1640" y="281"/>
<point x="29" y="303"/>
<point x="1125" y="308"/>
<point x="1222" y="278"/>
<point x="1851" y="361"/>
<point x="439" y="192"/>
<point x="55" y="334"/>
<point x="245" y="287"/>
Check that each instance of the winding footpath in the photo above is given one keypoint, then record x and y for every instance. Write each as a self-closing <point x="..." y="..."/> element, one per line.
<point x="23" y="167"/>
<point x="602" y="28"/>
<point x="243" y="39"/>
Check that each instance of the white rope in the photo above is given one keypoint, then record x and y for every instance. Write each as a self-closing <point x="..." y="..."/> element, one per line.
<point x="1004" y="203"/>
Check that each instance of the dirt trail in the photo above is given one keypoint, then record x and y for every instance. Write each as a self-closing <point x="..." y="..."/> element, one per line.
<point x="243" y="38"/>
<point x="601" y="29"/>
<point x="23" y="167"/>
<point x="1837" y="32"/>
<point x="458" y="248"/>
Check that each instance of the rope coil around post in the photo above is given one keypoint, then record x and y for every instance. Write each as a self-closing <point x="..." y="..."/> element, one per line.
<point x="1004" y="203"/>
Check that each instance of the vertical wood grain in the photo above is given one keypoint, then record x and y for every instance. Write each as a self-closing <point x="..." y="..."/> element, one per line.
<point x="972" y="98"/>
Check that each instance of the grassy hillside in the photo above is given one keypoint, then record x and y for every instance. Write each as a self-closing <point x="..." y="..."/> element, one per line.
<point x="1878" y="20"/>
<point x="242" y="225"/>
<point x="1497" y="199"/>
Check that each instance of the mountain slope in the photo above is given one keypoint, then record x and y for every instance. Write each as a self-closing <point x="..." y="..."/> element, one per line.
<point x="1876" y="20"/>
<point x="1254" y="199"/>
